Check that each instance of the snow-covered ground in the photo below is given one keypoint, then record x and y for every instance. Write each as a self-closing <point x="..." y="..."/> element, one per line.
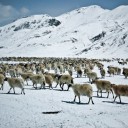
<point x="25" y="111"/>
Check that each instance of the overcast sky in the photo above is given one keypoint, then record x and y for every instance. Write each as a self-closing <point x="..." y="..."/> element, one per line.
<point x="13" y="9"/>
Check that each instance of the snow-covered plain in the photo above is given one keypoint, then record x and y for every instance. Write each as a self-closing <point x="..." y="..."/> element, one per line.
<point x="25" y="111"/>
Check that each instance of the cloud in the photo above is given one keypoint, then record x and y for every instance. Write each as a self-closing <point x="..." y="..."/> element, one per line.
<point x="24" y="11"/>
<point x="7" y="11"/>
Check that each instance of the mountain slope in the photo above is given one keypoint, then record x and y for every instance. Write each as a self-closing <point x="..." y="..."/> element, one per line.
<point x="86" y="32"/>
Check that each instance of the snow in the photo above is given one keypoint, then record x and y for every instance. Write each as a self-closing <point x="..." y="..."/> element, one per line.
<point x="71" y="37"/>
<point x="25" y="111"/>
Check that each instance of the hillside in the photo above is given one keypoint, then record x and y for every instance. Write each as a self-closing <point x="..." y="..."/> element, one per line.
<point x="91" y="32"/>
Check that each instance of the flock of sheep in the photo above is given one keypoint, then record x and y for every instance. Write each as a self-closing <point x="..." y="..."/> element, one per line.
<point x="37" y="70"/>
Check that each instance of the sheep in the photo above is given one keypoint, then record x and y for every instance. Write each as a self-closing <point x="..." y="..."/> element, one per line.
<point x="61" y="68"/>
<point x="117" y="70"/>
<point x="103" y="85"/>
<point x="2" y="77"/>
<point x="122" y="62"/>
<point x="53" y="75"/>
<point x="49" y="80"/>
<point x="99" y="65"/>
<point x="86" y="70"/>
<point x="64" y="79"/>
<point x="37" y="79"/>
<point x="79" y="71"/>
<point x="102" y="72"/>
<point x="120" y="90"/>
<point x="125" y="72"/>
<point x="111" y="71"/>
<point x="12" y="72"/>
<point x="15" y="82"/>
<point x="26" y="75"/>
<point x="70" y="72"/>
<point x="82" y="89"/>
<point x="18" y="71"/>
<point x="92" y="76"/>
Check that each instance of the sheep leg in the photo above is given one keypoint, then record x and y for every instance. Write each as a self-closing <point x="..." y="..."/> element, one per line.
<point x="27" y="82"/>
<point x="40" y="86"/>
<point x="115" y="98"/>
<point x="9" y="90"/>
<point x="89" y="80"/>
<point x="50" y="86"/>
<point x="36" y="86"/>
<point x="56" y="84"/>
<point x="61" y="86"/>
<point x="112" y="93"/>
<point x="97" y="93"/>
<point x="14" y="90"/>
<point x="22" y="91"/>
<point x="68" y="87"/>
<point x="120" y="99"/>
<point x="101" y="92"/>
<point x="74" y="99"/>
<point x="1" y="87"/>
<point x="108" y="94"/>
<point x="90" y="98"/>
<point x="43" y="85"/>
<point x="33" y="85"/>
<point x="79" y="98"/>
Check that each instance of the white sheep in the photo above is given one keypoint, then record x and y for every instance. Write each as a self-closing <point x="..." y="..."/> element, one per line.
<point x="15" y="82"/>
<point x="92" y="76"/>
<point x="48" y="80"/>
<point x="37" y="79"/>
<point x="26" y="76"/>
<point x="82" y="89"/>
<point x="12" y="72"/>
<point x="64" y="79"/>
<point x="103" y="85"/>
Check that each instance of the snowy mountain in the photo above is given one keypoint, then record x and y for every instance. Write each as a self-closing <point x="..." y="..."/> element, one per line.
<point x="86" y="32"/>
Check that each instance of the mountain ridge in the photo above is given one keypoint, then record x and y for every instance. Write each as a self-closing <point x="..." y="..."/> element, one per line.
<point x="91" y="32"/>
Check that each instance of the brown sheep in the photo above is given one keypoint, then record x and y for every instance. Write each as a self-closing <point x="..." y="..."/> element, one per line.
<point x="120" y="90"/>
